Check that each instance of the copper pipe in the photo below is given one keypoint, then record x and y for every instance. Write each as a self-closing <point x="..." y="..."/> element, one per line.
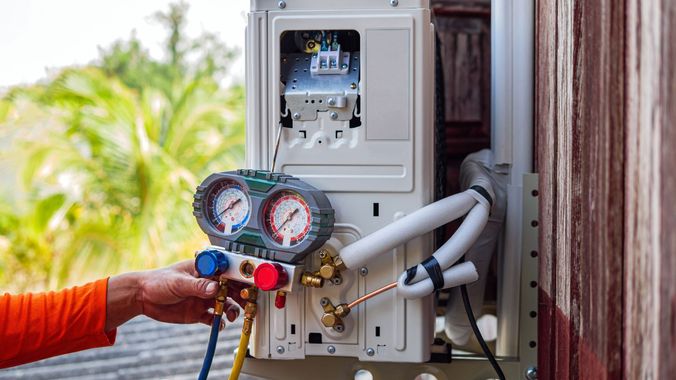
<point x="372" y="294"/>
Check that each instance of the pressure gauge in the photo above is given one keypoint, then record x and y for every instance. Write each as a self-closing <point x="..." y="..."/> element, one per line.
<point x="227" y="206"/>
<point x="287" y="218"/>
<point x="271" y="215"/>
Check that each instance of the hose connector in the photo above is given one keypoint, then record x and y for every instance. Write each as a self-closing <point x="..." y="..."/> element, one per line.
<point x="250" y="295"/>
<point x="221" y="297"/>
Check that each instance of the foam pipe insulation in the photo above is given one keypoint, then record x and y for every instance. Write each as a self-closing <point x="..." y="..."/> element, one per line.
<point x="457" y="326"/>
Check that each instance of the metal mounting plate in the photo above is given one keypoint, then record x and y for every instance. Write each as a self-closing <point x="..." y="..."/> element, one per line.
<point x="306" y="94"/>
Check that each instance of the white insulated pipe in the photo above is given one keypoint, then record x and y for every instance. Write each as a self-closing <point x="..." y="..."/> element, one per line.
<point x="457" y="275"/>
<point x="411" y="226"/>
<point x="461" y="241"/>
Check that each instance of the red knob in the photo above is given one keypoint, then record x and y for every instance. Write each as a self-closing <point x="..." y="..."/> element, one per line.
<point x="270" y="276"/>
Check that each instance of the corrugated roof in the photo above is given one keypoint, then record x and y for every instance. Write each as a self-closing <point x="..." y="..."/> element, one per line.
<point x="145" y="349"/>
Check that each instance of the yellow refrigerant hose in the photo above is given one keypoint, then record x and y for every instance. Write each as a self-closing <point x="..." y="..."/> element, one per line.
<point x="250" y="295"/>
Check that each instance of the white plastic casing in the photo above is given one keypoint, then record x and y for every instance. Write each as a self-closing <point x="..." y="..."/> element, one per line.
<point x="388" y="160"/>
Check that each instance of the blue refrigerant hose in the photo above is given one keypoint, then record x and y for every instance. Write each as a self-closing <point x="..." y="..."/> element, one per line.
<point x="211" y="348"/>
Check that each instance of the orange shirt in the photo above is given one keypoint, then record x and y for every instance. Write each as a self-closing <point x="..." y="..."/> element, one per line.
<point x="41" y="325"/>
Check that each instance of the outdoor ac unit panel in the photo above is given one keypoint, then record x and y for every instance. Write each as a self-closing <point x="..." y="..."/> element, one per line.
<point x="354" y="118"/>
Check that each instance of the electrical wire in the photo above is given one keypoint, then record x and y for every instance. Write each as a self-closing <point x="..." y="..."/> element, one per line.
<point x="211" y="348"/>
<point x="372" y="294"/>
<point x="274" y="155"/>
<point x="477" y="333"/>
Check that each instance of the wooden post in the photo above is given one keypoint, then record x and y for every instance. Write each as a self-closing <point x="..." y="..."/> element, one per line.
<point x="605" y="125"/>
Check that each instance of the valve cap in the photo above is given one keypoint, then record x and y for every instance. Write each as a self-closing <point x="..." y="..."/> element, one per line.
<point x="270" y="276"/>
<point x="211" y="263"/>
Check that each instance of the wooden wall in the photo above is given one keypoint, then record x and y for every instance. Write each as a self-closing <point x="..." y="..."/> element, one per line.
<point x="606" y="143"/>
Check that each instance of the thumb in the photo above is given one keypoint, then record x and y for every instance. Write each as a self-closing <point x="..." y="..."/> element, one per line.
<point x="196" y="287"/>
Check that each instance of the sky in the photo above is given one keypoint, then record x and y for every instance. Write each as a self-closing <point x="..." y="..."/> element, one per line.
<point x="38" y="35"/>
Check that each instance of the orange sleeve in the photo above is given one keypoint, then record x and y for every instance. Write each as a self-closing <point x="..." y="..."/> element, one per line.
<point x="41" y="325"/>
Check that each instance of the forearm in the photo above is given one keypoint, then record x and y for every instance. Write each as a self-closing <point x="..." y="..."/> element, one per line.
<point x="37" y="326"/>
<point x="123" y="300"/>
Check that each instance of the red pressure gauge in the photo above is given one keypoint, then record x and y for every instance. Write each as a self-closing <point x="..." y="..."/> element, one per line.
<point x="270" y="276"/>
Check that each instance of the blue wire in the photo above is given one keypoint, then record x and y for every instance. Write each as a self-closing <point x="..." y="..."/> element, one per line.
<point x="211" y="348"/>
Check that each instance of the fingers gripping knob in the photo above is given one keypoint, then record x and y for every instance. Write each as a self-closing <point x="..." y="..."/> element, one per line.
<point x="270" y="276"/>
<point x="211" y="263"/>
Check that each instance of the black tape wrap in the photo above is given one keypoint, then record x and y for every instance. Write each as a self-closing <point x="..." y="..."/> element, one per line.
<point x="410" y="273"/>
<point x="433" y="269"/>
<point x="483" y="193"/>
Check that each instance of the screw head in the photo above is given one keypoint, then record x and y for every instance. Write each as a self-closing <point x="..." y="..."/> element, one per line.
<point x="343" y="66"/>
<point x="331" y="101"/>
<point x="324" y="301"/>
<point x="337" y="280"/>
<point x="280" y="350"/>
<point x="394" y="3"/>
<point x="333" y="115"/>
<point x="531" y="373"/>
<point x="339" y="327"/>
<point x="331" y="349"/>
<point x="363" y="271"/>
<point x="296" y="115"/>
<point x="370" y="351"/>
<point x="353" y="85"/>
<point x="281" y="4"/>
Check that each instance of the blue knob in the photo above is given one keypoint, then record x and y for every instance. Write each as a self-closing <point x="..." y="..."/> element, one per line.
<point x="211" y="263"/>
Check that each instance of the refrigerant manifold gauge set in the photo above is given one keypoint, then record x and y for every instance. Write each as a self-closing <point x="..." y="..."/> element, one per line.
<point x="267" y="215"/>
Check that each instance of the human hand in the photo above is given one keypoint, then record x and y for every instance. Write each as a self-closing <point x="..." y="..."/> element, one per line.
<point x="173" y="294"/>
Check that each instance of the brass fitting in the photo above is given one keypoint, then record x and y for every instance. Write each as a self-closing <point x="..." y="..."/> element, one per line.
<point x="250" y="309"/>
<point x="311" y="280"/>
<point x="342" y="310"/>
<point x="327" y="271"/>
<point x="329" y="319"/>
<point x="338" y="262"/>
<point x="221" y="297"/>
<point x="249" y="294"/>
<point x="333" y="315"/>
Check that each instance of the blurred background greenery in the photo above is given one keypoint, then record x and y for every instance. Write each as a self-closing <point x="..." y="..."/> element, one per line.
<point x="106" y="158"/>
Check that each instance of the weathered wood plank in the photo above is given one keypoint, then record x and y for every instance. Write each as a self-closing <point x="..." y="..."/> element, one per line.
<point x="545" y="113"/>
<point x="606" y="128"/>
<point x="650" y="304"/>
<point x="579" y="123"/>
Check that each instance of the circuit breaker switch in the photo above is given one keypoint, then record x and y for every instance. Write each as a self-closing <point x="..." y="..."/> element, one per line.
<point x="270" y="276"/>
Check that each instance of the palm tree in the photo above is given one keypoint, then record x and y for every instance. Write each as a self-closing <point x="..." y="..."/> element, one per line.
<point x="119" y="168"/>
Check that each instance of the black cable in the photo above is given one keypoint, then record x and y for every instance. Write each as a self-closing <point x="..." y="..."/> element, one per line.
<point x="477" y="333"/>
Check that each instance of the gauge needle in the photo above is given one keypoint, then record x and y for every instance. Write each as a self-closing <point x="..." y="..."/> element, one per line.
<point x="229" y="207"/>
<point x="288" y="218"/>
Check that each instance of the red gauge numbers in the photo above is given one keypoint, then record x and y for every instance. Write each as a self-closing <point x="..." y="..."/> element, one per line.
<point x="228" y="207"/>
<point x="288" y="218"/>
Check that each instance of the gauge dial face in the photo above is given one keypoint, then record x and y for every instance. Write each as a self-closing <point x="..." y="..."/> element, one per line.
<point x="287" y="218"/>
<point x="228" y="207"/>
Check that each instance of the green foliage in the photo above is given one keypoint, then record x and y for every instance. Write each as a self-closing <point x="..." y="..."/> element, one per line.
<point x="110" y="165"/>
